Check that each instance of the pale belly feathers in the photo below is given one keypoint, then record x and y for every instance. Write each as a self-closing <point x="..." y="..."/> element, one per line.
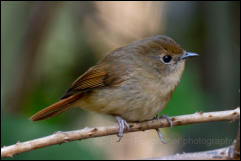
<point x="133" y="103"/>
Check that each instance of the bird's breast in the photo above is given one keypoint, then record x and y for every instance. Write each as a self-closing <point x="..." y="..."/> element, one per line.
<point x="139" y="98"/>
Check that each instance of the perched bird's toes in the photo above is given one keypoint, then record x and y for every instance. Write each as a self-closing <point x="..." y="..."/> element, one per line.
<point x="165" y="117"/>
<point x="127" y="125"/>
<point x="168" y="119"/>
<point x="122" y="123"/>
<point x="158" y="131"/>
<point x="160" y="136"/>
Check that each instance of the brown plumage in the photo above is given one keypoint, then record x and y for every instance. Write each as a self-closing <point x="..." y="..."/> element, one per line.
<point x="134" y="82"/>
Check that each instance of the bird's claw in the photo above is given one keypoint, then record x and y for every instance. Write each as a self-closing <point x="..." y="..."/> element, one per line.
<point x="160" y="136"/>
<point x="122" y="123"/>
<point x="158" y="131"/>
<point x="165" y="117"/>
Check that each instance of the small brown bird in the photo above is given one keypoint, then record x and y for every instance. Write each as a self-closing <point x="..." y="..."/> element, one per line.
<point x="133" y="83"/>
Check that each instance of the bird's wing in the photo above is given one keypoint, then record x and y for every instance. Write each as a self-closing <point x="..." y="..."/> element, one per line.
<point x="96" y="77"/>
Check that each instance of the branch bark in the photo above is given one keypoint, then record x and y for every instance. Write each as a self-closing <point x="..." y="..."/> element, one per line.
<point x="227" y="153"/>
<point x="217" y="154"/>
<point x="63" y="137"/>
<point x="236" y="146"/>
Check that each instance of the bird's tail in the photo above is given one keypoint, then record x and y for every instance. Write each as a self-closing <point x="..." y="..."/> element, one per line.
<point x="56" y="108"/>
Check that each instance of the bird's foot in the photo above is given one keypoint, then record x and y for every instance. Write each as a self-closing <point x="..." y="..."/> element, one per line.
<point x="165" y="117"/>
<point x="122" y="123"/>
<point x="160" y="136"/>
<point x="158" y="131"/>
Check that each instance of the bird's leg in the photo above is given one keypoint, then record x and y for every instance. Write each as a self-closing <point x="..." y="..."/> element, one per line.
<point x="168" y="119"/>
<point x="122" y="123"/>
<point x="160" y="136"/>
<point x="165" y="117"/>
<point x="158" y="131"/>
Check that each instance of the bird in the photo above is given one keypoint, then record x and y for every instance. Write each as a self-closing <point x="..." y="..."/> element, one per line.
<point x="133" y="83"/>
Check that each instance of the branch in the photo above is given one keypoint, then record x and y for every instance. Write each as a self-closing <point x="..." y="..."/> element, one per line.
<point x="217" y="154"/>
<point x="62" y="137"/>
<point x="227" y="153"/>
<point x="236" y="146"/>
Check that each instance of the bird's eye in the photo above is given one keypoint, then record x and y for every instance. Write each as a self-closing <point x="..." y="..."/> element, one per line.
<point x="166" y="58"/>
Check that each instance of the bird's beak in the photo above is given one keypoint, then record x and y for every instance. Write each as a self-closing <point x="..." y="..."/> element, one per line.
<point x="187" y="55"/>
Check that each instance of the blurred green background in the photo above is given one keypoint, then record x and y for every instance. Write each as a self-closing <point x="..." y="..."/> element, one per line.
<point x="47" y="45"/>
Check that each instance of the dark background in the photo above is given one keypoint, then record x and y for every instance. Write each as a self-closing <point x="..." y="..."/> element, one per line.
<point x="47" y="45"/>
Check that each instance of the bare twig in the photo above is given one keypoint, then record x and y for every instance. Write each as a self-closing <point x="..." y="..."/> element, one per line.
<point x="236" y="146"/>
<point x="227" y="153"/>
<point x="217" y="154"/>
<point x="62" y="137"/>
